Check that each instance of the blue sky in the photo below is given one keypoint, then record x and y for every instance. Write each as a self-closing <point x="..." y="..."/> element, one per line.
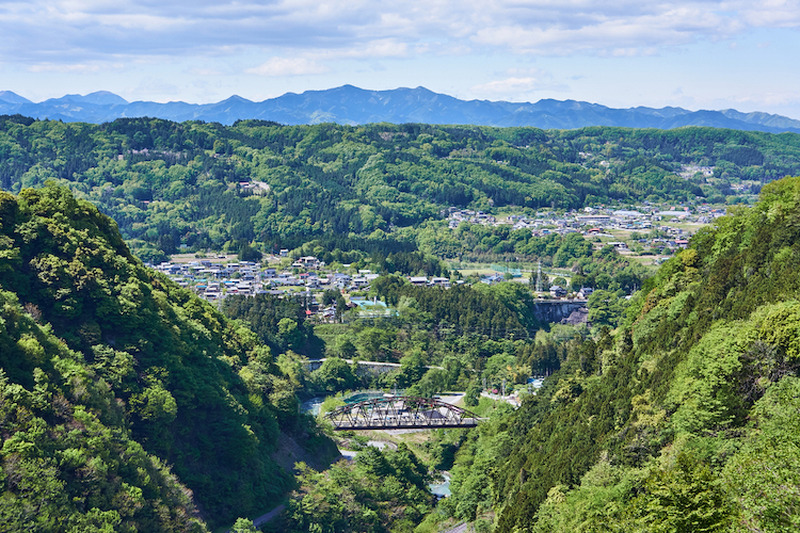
<point x="693" y="54"/>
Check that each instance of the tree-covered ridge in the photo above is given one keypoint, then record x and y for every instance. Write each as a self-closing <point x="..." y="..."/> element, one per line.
<point x="147" y="360"/>
<point x="686" y="419"/>
<point x="69" y="462"/>
<point x="382" y="491"/>
<point x="280" y="322"/>
<point x="202" y="185"/>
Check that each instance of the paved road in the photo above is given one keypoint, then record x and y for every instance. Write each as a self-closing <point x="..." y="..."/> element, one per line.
<point x="264" y="518"/>
<point x="460" y="528"/>
<point x="513" y="400"/>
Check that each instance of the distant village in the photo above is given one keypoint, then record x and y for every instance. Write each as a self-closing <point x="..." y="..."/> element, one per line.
<point x="217" y="278"/>
<point x="306" y="277"/>
<point x="599" y="222"/>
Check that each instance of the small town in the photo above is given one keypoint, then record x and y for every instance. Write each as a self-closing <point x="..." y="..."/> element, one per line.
<point x="305" y="278"/>
<point x="590" y="220"/>
<point x="645" y="230"/>
<point x="650" y="228"/>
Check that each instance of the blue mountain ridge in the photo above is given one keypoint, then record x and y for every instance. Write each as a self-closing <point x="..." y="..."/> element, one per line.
<point x="352" y="105"/>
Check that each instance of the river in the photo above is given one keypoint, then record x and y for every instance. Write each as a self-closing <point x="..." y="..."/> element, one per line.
<point x="440" y="489"/>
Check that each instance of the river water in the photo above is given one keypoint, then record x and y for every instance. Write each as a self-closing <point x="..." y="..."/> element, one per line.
<point x="440" y="489"/>
<point x="312" y="405"/>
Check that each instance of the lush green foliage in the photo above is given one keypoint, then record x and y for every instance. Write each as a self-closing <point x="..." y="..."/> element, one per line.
<point x="463" y="309"/>
<point x="280" y="322"/>
<point x="201" y="186"/>
<point x="141" y="361"/>
<point x="470" y="332"/>
<point x="685" y="419"/>
<point x="334" y="375"/>
<point x="68" y="461"/>
<point x="383" y="491"/>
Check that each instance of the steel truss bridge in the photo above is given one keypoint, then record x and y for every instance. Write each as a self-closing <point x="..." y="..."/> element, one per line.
<point x="401" y="412"/>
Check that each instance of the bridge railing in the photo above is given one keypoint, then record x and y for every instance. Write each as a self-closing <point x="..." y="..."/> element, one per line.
<point x="400" y="412"/>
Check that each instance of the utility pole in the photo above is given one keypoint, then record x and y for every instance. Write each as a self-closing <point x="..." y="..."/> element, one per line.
<point x="539" y="277"/>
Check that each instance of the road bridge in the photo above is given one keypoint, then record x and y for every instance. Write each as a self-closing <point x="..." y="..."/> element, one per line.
<point x="363" y="367"/>
<point x="400" y="412"/>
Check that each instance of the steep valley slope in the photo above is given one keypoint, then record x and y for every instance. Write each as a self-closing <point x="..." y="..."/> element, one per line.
<point x="687" y="418"/>
<point x="111" y="372"/>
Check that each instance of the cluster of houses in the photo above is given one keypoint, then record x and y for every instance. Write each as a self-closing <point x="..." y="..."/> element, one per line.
<point x="558" y="292"/>
<point x="456" y="216"/>
<point x="423" y="281"/>
<point x="642" y="217"/>
<point x="215" y="279"/>
<point x="211" y="280"/>
<point x="600" y="221"/>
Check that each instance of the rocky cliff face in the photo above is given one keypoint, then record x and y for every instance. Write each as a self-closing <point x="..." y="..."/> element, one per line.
<point x="561" y="311"/>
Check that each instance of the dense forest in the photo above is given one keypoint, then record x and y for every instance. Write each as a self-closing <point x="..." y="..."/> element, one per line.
<point x="685" y="419"/>
<point x="110" y="373"/>
<point x="194" y="185"/>
<point x="129" y="404"/>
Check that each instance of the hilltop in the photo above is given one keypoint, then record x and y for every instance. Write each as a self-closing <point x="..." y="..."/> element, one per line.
<point x="194" y="186"/>
<point x="352" y="105"/>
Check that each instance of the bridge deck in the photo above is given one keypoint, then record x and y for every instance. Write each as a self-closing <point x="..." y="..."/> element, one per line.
<point x="356" y="426"/>
<point x="400" y="412"/>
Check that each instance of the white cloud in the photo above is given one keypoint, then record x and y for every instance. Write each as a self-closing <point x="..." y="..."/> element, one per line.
<point x="519" y="85"/>
<point x="544" y="27"/>
<point x="377" y="49"/>
<point x="768" y="99"/>
<point x="318" y="61"/>
<point x="74" y="68"/>
<point x="285" y="66"/>
<point x="506" y="86"/>
<point x="773" y="13"/>
<point x="608" y="31"/>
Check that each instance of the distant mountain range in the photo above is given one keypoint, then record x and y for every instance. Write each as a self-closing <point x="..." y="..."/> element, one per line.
<point x="352" y="105"/>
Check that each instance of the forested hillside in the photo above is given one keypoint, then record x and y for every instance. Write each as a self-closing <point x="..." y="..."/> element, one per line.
<point x="109" y="373"/>
<point x="685" y="419"/>
<point x="195" y="185"/>
<point x="130" y="404"/>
